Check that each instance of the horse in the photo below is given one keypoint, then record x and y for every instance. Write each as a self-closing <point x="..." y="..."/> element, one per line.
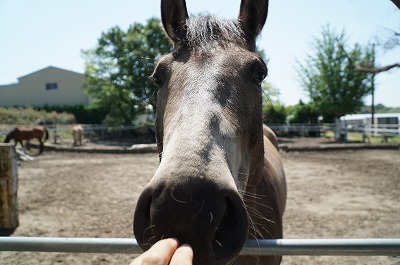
<point x="77" y="133"/>
<point x="144" y="135"/>
<point x="21" y="134"/>
<point x="220" y="179"/>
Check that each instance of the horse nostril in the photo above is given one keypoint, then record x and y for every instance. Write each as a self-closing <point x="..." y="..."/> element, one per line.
<point x="142" y="226"/>
<point x="232" y="230"/>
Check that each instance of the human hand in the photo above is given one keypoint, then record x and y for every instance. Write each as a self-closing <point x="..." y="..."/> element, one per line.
<point x="166" y="252"/>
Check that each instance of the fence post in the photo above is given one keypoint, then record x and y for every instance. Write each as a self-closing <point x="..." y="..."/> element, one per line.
<point x="8" y="189"/>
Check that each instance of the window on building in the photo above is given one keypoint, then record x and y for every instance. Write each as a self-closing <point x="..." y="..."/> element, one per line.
<point x="51" y="86"/>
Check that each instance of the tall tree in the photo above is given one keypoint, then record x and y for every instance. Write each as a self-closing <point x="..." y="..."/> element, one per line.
<point x="118" y="68"/>
<point x="389" y="42"/>
<point x="329" y="77"/>
<point x="274" y="111"/>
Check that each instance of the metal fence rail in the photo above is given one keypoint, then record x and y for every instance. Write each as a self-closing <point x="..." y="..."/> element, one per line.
<point x="305" y="247"/>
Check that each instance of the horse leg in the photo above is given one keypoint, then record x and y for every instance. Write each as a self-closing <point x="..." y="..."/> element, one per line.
<point x="41" y="146"/>
<point x="80" y="138"/>
<point x="21" y="143"/>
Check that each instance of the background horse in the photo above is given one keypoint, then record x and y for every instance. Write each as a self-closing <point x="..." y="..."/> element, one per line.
<point x="77" y="134"/>
<point x="25" y="134"/>
<point x="220" y="180"/>
<point x="144" y="135"/>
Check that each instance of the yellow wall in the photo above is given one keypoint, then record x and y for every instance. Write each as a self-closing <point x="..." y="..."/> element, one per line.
<point x="31" y="89"/>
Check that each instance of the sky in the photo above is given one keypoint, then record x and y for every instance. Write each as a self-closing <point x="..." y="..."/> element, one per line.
<point x="41" y="33"/>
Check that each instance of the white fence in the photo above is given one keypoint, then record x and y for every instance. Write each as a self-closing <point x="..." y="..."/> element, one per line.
<point x="297" y="247"/>
<point x="377" y="130"/>
<point x="95" y="131"/>
<point x="384" y="130"/>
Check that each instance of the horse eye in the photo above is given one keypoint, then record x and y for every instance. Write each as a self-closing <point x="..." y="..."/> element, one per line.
<point x="259" y="76"/>
<point x="157" y="80"/>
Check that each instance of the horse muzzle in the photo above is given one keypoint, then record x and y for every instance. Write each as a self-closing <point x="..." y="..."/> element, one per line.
<point x="209" y="216"/>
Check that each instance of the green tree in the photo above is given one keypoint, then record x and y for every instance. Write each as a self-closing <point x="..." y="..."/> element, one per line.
<point x="334" y="86"/>
<point x="274" y="113"/>
<point x="305" y="113"/>
<point x="118" y="68"/>
<point x="273" y="110"/>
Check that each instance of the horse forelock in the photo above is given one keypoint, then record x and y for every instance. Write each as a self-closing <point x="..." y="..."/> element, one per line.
<point x="202" y="33"/>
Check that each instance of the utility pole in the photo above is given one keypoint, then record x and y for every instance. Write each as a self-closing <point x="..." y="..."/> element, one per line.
<point x="373" y="88"/>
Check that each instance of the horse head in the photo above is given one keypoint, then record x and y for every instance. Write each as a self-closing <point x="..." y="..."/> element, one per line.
<point x="209" y="133"/>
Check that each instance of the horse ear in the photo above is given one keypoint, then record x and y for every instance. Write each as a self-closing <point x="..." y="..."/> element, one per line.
<point x="252" y="17"/>
<point x="173" y="16"/>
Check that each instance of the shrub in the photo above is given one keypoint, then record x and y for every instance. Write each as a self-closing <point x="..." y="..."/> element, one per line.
<point x="28" y="115"/>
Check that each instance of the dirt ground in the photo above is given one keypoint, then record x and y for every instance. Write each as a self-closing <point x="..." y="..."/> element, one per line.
<point x="335" y="194"/>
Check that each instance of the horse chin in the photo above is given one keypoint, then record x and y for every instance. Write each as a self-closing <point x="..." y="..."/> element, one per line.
<point x="216" y="232"/>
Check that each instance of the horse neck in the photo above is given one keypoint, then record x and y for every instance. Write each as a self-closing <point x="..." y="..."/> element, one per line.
<point x="265" y="196"/>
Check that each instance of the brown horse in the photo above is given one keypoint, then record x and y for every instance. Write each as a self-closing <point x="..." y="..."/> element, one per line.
<point x="21" y="134"/>
<point x="77" y="134"/>
<point x="220" y="180"/>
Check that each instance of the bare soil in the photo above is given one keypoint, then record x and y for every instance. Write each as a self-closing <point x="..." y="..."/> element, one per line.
<point x="334" y="194"/>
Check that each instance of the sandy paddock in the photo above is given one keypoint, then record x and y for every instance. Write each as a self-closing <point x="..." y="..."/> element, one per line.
<point x="335" y="194"/>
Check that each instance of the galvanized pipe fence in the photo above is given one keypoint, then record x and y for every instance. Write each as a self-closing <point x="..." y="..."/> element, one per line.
<point x="296" y="247"/>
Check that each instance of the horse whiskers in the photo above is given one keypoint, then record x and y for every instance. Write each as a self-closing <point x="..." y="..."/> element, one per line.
<point x="219" y="243"/>
<point x="232" y="262"/>
<point x="265" y="229"/>
<point x="258" y="235"/>
<point x="258" y="214"/>
<point x="145" y="231"/>
<point x="254" y="228"/>
<point x="257" y="203"/>
<point x="201" y="208"/>
<point x="175" y="199"/>
<point x="150" y="239"/>
<point x="252" y="198"/>
<point x="235" y="261"/>
<point x="255" y="195"/>
<point x="240" y="185"/>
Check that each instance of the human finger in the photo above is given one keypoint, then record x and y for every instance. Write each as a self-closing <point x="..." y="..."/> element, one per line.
<point x="182" y="256"/>
<point x="159" y="254"/>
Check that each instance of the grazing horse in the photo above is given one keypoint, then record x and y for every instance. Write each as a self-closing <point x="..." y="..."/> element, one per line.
<point x="77" y="133"/>
<point x="145" y="135"/>
<point x="220" y="180"/>
<point x="22" y="134"/>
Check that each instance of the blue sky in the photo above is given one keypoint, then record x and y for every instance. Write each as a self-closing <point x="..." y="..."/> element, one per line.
<point x="36" y="34"/>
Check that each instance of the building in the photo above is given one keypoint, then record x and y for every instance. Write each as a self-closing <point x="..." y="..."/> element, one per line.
<point x="379" y="119"/>
<point x="384" y="123"/>
<point x="48" y="86"/>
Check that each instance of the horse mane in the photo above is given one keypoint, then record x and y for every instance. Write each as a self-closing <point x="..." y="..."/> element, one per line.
<point x="205" y="32"/>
